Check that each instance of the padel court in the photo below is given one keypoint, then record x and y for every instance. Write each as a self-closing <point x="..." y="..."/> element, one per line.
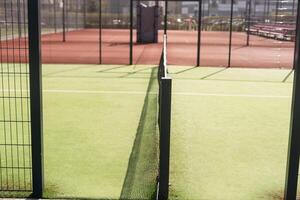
<point x="100" y="160"/>
<point x="82" y="47"/>
<point x="149" y="100"/>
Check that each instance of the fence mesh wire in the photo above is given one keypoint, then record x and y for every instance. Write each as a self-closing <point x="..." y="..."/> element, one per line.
<point x="182" y="26"/>
<point x="15" y="132"/>
<point x="266" y="31"/>
<point x="93" y="32"/>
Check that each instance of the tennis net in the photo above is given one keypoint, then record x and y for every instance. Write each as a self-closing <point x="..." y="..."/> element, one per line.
<point x="143" y="169"/>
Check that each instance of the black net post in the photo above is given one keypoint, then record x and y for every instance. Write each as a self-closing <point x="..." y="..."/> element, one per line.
<point x="164" y="142"/>
<point x="35" y="97"/>
<point x="230" y="33"/>
<point x="294" y="138"/>
<point x="199" y="31"/>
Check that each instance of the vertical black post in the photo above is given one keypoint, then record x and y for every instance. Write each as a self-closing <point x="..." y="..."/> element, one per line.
<point x="35" y="97"/>
<point x="54" y="11"/>
<point x="131" y="34"/>
<point x="19" y="19"/>
<point x="164" y="142"/>
<point x="294" y="138"/>
<point x="64" y="20"/>
<point x="199" y="31"/>
<point x="76" y="14"/>
<point x="100" y="31"/>
<point x="49" y="16"/>
<point x="248" y="21"/>
<point x="67" y="15"/>
<point x="230" y="34"/>
<point x="166" y="17"/>
<point x="84" y="13"/>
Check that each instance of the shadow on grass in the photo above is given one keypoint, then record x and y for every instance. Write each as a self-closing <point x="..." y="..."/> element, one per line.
<point x="67" y="70"/>
<point x="185" y="70"/>
<point x="141" y="176"/>
<point x="136" y="72"/>
<point x="112" y="68"/>
<point x="287" y="76"/>
<point x="279" y="195"/>
<point x="214" y="73"/>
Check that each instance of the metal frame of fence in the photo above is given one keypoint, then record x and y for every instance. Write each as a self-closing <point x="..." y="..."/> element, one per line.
<point x="36" y="113"/>
<point x="292" y="167"/>
<point x="34" y="38"/>
<point x="250" y="16"/>
<point x="22" y="98"/>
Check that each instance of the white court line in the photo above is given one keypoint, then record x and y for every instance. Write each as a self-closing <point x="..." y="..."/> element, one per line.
<point x="129" y="92"/>
<point x="231" y="95"/>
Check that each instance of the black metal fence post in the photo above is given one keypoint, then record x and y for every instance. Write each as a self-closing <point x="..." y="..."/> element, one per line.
<point x="230" y="34"/>
<point x="84" y="13"/>
<point x="76" y="13"/>
<point x="164" y="142"/>
<point x="166" y="18"/>
<point x="199" y="31"/>
<point x="249" y="3"/>
<point x="131" y="34"/>
<point x="54" y="9"/>
<point x="35" y="97"/>
<point x="100" y="31"/>
<point x="292" y="167"/>
<point x="64" y="19"/>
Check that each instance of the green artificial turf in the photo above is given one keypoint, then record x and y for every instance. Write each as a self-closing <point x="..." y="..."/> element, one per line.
<point x="99" y="131"/>
<point x="229" y="134"/>
<point x="90" y="137"/>
<point x="228" y="139"/>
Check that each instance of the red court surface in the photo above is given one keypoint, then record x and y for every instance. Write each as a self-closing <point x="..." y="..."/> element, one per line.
<point x="82" y="47"/>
